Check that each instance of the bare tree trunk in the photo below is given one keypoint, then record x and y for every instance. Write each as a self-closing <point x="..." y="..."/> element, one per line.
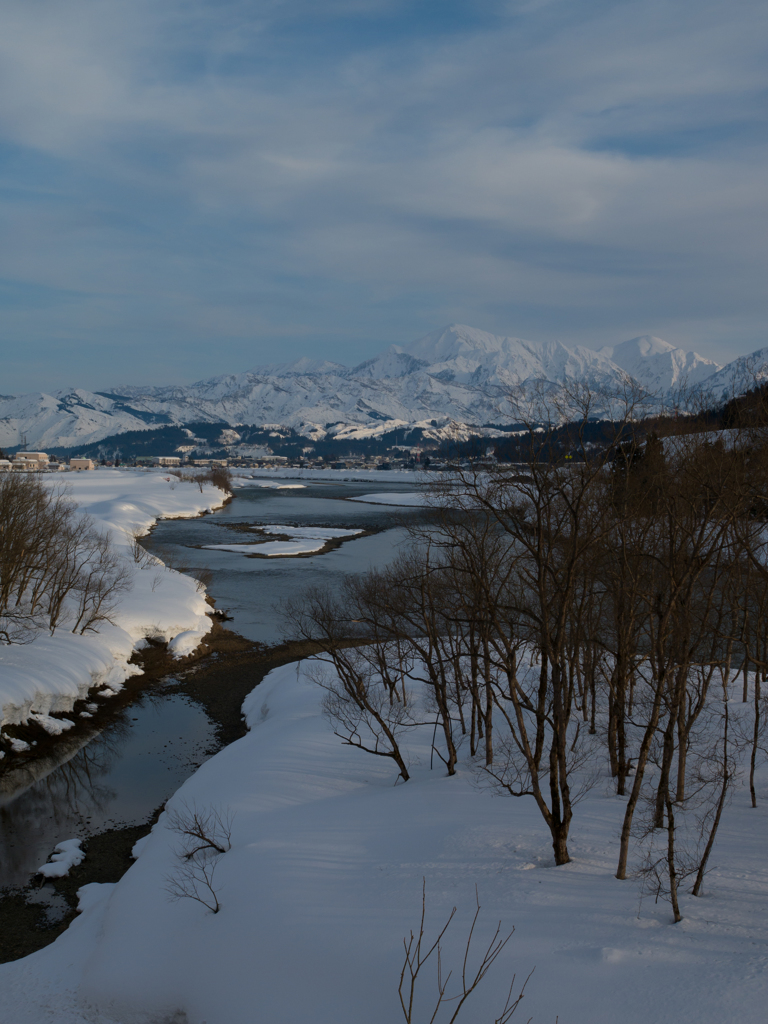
<point x="671" y="867"/>
<point x="682" y="759"/>
<point x="613" y="727"/>
<point x="745" y="689"/>
<point x="718" y="812"/>
<point x="668" y="753"/>
<point x="621" y="734"/>
<point x="755" y="741"/>
<point x="637" y="785"/>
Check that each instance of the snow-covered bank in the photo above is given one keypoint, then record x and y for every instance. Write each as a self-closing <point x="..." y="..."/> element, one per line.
<point x="51" y="673"/>
<point x="243" y="477"/>
<point x="324" y="878"/>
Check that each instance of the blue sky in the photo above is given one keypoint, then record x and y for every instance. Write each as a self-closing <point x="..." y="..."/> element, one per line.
<point x="190" y="188"/>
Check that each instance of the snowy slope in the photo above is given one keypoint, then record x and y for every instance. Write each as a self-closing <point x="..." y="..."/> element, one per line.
<point x="324" y="879"/>
<point x="52" y="672"/>
<point x="659" y="366"/>
<point x="469" y="356"/>
<point x="738" y="376"/>
<point x="459" y="374"/>
<point x="66" y="418"/>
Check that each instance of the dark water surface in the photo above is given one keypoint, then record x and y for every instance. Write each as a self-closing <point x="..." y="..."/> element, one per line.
<point x="137" y="761"/>
<point x="117" y="779"/>
<point x="251" y="589"/>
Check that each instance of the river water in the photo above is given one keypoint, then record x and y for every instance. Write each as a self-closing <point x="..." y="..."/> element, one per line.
<point x="137" y="761"/>
<point x="251" y="589"/>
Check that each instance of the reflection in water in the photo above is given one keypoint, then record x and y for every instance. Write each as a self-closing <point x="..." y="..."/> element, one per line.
<point x="118" y="779"/>
<point x="55" y="906"/>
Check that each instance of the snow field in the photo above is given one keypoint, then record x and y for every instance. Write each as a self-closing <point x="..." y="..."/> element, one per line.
<point x="51" y="673"/>
<point x="324" y="880"/>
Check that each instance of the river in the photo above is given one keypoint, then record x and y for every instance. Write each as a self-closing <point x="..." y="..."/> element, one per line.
<point x="130" y="767"/>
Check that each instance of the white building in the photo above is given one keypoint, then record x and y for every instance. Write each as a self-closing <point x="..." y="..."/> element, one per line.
<point x="166" y="460"/>
<point x="81" y="464"/>
<point x="30" y="462"/>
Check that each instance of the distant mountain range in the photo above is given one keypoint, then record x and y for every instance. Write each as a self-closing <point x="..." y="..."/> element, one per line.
<point x="455" y="375"/>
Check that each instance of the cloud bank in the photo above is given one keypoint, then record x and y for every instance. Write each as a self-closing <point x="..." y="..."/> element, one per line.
<point x="191" y="187"/>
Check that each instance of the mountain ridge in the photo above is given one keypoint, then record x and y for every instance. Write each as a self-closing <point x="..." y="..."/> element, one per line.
<point x="454" y="374"/>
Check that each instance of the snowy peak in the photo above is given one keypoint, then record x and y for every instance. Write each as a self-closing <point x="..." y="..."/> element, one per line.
<point x="392" y="363"/>
<point x="299" y="368"/>
<point x="469" y="356"/>
<point x="457" y="341"/>
<point x="644" y="347"/>
<point x="659" y="366"/>
<point x="66" y="418"/>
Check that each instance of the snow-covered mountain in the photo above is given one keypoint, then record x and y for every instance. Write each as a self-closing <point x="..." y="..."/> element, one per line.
<point x="659" y="366"/>
<point x="67" y="418"/>
<point x="739" y="376"/>
<point x="458" y="374"/>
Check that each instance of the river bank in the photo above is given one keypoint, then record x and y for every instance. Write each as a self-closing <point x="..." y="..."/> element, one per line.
<point x="198" y="695"/>
<point x="321" y="878"/>
<point x="45" y="679"/>
<point x="217" y="677"/>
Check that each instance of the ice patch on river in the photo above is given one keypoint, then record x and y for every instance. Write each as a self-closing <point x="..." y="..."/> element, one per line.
<point x="303" y="540"/>
<point x="412" y="499"/>
<point x="282" y="487"/>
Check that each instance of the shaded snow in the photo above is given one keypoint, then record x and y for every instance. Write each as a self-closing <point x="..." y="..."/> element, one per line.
<point x="185" y="643"/>
<point x="53" y="726"/>
<point x="324" y="879"/>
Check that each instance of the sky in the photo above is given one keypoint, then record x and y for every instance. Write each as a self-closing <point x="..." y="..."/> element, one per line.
<point x="197" y="187"/>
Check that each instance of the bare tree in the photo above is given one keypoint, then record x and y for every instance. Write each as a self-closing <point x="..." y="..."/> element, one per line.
<point x="201" y="829"/>
<point x="554" y="516"/>
<point x="103" y="578"/>
<point x="53" y="560"/>
<point x="206" y="834"/>
<point x="368" y="704"/>
<point x="194" y="880"/>
<point x="418" y="952"/>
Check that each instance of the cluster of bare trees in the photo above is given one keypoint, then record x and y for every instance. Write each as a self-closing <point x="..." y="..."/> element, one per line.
<point x="217" y="476"/>
<point x="55" y="566"/>
<point x="583" y="612"/>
